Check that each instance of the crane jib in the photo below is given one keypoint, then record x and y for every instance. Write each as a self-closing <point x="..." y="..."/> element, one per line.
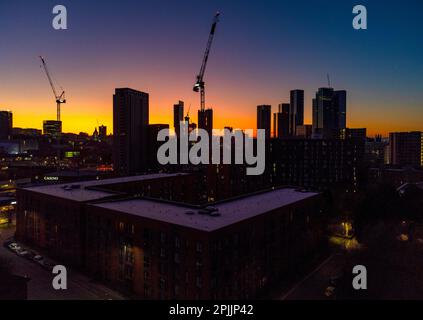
<point x="213" y="28"/>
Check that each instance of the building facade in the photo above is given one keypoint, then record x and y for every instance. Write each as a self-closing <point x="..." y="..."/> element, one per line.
<point x="264" y="115"/>
<point x="178" y="116"/>
<point x="144" y="236"/>
<point x="329" y="112"/>
<point x="205" y="120"/>
<point x="6" y="124"/>
<point x="406" y="149"/>
<point x="130" y="131"/>
<point x="52" y="128"/>
<point x="281" y="123"/>
<point x="296" y="110"/>
<point x="317" y="163"/>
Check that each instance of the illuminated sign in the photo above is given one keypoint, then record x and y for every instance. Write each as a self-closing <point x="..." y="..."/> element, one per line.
<point x="51" y="178"/>
<point x="72" y="154"/>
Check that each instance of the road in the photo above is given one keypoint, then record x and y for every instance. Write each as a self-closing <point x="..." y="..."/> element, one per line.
<point x="80" y="287"/>
<point x="313" y="285"/>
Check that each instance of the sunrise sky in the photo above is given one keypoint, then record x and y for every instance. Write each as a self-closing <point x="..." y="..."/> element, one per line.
<point x="262" y="49"/>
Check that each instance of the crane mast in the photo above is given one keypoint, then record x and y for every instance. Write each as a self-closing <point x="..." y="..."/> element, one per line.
<point x="199" y="85"/>
<point x="60" y="98"/>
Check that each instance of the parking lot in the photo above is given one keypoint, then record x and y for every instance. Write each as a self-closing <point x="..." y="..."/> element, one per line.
<point x="27" y="262"/>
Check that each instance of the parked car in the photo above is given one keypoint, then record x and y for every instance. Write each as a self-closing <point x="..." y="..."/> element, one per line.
<point x="22" y="252"/>
<point x="37" y="258"/>
<point x="31" y="254"/>
<point x="14" y="247"/>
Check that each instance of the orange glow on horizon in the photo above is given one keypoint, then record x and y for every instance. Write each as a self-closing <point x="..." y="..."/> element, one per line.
<point x="76" y="121"/>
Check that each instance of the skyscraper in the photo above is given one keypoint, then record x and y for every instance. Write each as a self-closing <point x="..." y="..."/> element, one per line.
<point x="130" y="131"/>
<point x="406" y="149"/>
<point x="329" y="112"/>
<point x="102" y="133"/>
<point x="205" y="120"/>
<point x="264" y="119"/>
<point x="6" y="124"/>
<point x="178" y="116"/>
<point x="282" y="121"/>
<point x="275" y="125"/>
<point x="52" y="128"/>
<point x="296" y="110"/>
<point x="340" y="101"/>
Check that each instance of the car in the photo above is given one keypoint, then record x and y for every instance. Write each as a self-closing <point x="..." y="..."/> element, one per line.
<point x="22" y="253"/>
<point x="14" y="247"/>
<point x="30" y="255"/>
<point x="37" y="258"/>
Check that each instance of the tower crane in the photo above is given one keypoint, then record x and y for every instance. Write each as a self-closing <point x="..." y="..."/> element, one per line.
<point x="60" y="98"/>
<point x="199" y="85"/>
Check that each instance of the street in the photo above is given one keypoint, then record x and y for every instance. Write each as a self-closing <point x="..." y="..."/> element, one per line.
<point x="79" y="287"/>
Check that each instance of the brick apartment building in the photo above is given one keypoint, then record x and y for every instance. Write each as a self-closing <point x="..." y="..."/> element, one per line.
<point x="144" y="235"/>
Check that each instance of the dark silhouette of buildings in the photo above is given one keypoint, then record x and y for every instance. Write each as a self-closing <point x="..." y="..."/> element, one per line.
<point x="264" y="113"/>
<point x="6" y="124"/>
<point x="28" y="132"/>
<point x="281" y="121"/>
<point x="375" y="151"/>
<point x="317" y="163"/>
<point x="130" y="131"/>
<point x="304" y="131"/>
<point x="102" y="133"/>
<point x="329" y="112"/>
<point x="178" y="116"/>
<point x="406" y="149"/>
<point x="205" y="120"/>
<point x="340" y="102"/>
<point x="296" y="111"/>
<point x="52" y="128"/>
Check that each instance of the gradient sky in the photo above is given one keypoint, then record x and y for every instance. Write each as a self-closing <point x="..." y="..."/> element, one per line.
<point x="262" y="49"/>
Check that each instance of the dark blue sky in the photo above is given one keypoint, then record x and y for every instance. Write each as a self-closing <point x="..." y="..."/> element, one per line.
<point x="262" y="49"/>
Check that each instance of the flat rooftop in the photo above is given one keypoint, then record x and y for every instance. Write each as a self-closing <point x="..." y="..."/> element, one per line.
<point x="85" y="193"/>
<point x="231" y="211"/>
